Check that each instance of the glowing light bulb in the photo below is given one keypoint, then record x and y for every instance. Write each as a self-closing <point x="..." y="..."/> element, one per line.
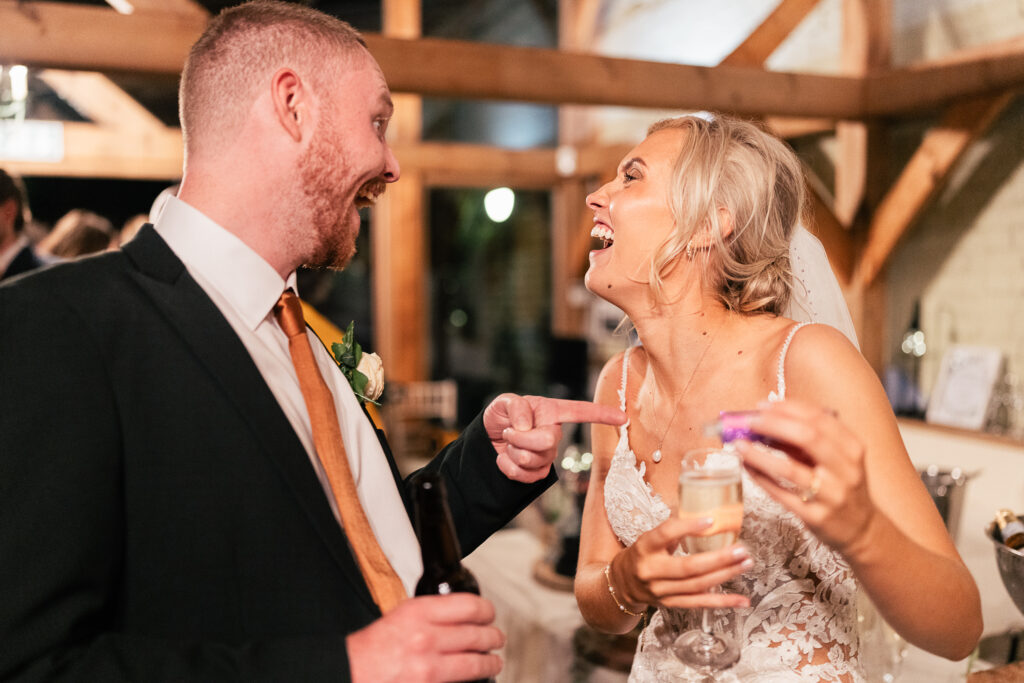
<point x="498" y="203"/>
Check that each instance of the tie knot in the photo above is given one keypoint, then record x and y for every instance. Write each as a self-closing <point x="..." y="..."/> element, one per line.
<point x="288" y="311"/>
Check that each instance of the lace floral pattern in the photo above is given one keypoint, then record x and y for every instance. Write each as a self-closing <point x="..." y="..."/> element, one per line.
<point x="802" y="622"/>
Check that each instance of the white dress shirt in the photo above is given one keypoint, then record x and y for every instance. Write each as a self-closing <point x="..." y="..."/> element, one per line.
<point x="245" y="288"/>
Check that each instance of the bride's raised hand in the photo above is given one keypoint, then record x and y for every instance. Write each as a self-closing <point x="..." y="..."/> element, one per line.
<point x="648" y="573"/>
<point x="819" y="475"/>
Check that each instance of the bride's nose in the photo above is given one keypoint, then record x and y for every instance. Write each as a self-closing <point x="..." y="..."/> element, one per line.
<point x="598" y="199"/>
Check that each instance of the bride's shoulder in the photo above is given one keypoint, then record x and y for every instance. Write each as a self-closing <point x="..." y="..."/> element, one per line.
<point x="610" y="381"/>
<point x="821" y="354"/>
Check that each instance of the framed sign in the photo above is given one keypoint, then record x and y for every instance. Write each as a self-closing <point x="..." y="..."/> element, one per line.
<point x="963" y="392"/>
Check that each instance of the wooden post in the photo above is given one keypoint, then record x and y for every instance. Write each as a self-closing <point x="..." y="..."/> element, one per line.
<point x="577" y="27"/>
<point x="398" y="235"/>
<point x="860" y="172"/>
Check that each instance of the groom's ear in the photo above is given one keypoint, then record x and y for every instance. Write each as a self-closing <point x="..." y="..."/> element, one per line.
<point x="291" y="102"/>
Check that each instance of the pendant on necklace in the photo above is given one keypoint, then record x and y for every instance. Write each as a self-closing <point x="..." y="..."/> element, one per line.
<point x="656" y="455"/>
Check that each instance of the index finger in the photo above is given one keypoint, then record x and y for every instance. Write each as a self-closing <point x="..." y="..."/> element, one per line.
<point x="456" y="608"/>
<point x="587" y="411"/>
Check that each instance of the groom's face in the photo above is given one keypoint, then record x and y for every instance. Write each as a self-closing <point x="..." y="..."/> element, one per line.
<point x="348" y="163"/>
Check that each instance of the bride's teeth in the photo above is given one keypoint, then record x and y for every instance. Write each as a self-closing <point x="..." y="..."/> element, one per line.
<point x="601" y="232"/>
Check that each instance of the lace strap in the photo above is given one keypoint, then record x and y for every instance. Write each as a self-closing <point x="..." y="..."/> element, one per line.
<point x="781" y="393"/>
<point x="622" y="385"/>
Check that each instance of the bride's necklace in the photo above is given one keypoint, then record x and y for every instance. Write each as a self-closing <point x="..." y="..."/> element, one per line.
<point x="656" y="455"/>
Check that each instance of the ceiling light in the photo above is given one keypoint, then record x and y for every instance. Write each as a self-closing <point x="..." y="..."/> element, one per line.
<point x="122" y="6"/>
<point x="498" y="203"/>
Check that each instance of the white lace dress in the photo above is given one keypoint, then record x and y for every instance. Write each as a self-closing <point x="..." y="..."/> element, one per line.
<point x="801" y="625"/>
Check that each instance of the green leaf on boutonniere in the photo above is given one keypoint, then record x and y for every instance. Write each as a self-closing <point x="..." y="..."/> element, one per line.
<point x="358" y="382"/>
<point x="347" y="354"/>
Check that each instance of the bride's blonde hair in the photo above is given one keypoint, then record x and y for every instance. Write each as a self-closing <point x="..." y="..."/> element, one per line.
<point x="726" y="164"/>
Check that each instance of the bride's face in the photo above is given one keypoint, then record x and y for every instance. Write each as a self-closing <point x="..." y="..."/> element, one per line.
<point x="633" y="217"/>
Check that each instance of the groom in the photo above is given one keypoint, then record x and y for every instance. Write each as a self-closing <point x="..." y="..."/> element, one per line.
<point x="168" y="506"/>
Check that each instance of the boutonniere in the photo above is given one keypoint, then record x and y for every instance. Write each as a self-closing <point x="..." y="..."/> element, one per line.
<point x="364" y="371"/>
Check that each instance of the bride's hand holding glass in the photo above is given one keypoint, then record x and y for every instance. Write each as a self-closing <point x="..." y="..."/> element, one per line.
<point x="816" y="470"/>
<point x="649" y="573"/>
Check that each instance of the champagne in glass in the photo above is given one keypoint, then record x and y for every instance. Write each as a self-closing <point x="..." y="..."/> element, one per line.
<point x="714" y="493"/>
<point x="710" y="486"/>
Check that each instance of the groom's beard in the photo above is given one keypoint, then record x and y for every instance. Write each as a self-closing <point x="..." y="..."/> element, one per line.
<point x="333" y="220"/>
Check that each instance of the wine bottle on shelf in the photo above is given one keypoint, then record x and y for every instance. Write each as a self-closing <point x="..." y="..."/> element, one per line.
<point x="1011" y="529"/>
<point x="443" y="572"/>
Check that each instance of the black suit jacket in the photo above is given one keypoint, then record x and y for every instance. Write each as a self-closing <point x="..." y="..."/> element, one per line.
<point x="159" y="518"/>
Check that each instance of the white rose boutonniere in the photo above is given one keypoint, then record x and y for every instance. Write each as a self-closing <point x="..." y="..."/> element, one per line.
<point x="373" y="368"/>
<point x="364" y="371"/>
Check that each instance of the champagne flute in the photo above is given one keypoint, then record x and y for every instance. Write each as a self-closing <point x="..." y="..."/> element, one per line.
<point x="710" y="485"/>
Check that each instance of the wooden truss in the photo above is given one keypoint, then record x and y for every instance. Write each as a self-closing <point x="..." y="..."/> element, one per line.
<point x="859" y="221"/>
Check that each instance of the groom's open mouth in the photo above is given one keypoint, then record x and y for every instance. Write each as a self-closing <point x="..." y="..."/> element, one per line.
<point x="603" y="233"/>
<point x="367" y="194"/>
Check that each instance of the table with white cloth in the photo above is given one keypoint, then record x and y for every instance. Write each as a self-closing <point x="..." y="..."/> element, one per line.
<point x="538" y="622"/>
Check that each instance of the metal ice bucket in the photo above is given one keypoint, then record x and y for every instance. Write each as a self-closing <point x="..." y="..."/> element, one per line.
<point x="946" y="488"/>
<point x="1011" y="567"/>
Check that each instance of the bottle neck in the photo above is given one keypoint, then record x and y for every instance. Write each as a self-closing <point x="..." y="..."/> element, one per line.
<point x="438" y="543"/>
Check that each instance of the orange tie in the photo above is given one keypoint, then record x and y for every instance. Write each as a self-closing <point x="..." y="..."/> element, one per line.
<point x="385" y="586"/>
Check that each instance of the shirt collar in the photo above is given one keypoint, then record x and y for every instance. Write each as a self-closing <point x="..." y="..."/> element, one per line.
<point x="249" y="284"/>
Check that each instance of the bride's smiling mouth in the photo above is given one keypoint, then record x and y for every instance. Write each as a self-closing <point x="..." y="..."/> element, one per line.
<point x="603" y="233"/>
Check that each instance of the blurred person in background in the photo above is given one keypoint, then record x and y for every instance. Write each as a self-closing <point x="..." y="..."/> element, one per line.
<point x="78" y="233"/>
<point x="16" y="253"/>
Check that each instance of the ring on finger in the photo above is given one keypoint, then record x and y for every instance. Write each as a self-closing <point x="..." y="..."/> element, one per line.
<point x="811" y="492"/>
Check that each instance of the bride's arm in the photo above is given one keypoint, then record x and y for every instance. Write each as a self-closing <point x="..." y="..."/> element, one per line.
<point x="871" y="505"/>
<point x="598" y="543"/>
<point x="646" y="573"/>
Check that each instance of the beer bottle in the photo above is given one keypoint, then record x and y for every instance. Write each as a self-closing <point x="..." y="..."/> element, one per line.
<point x="443" y="572"/>
<point x="1011" y="529"/>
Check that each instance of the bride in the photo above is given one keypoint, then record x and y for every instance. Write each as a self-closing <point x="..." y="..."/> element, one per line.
<point x="704" y="254"/>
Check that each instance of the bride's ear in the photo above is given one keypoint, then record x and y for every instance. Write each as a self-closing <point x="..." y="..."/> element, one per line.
<point x="703" y="239"/>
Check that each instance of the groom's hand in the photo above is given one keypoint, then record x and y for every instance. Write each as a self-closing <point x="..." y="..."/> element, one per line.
<point x="525" y="430"/>
<point x="431" y="639"/>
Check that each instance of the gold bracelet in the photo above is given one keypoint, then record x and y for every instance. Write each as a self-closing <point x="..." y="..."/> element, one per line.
<point x="622" y="608"/>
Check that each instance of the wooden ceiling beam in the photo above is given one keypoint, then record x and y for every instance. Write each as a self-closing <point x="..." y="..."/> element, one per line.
<point x="437" y="67"/>
<point x="923" y="178"/>
<point x="767" y="37"/>
<point x="51" y="34"/>
<point x="71" y="36"/>
<point x="92" y="151"/>
<point x="928" y="85"/>
<point x="100" y="100"/>
<point x="186" y="7"/>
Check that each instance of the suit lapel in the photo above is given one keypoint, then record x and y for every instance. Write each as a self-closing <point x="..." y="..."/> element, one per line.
<point x="204" y="329"/>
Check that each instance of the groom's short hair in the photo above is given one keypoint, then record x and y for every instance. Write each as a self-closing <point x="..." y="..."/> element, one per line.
<point x="240" y="50"/>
